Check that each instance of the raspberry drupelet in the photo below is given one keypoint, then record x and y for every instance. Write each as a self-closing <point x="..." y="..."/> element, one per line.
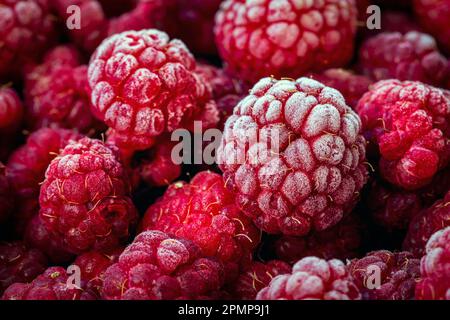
<point x="293" y="155"/>
<point x="312" y="278"/>
<point x="412" y="56"/>
<point x="284" y="38"/>
<point x="11" y="111"/>
<point x="158" y="267"/>
<point x="144" y="84"/>
<point x="435" y="268"/>
<point x="84" y="198"/>
<point x="408" y="122"/>
<point x="204" y="212"/>
<point x="398" y="271"/>
<point x="18" y="263"/>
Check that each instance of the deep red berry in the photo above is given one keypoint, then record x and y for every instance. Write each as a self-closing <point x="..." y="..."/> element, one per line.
<point x="11" y="111"/>
<point x="312" y="278"/>
<point x="158" y="267"/>
<point x="293" y="154"/>
<point x="6" y="195"/>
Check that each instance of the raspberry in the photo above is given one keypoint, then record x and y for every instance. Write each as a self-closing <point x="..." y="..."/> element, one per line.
<point x="312" y="278"/>
<point x="6" y="196"/>
<point x="342" y="241"/>
<point x="397" y="21"/>
<point x="398" y="273"/>
<point x="307" y="168"/>
<point x="57" y="95"/>
<point x="26" y="170"/>
<point x="18" y="263"/>
<point x="204" y="212"/>
<point x="158" y="267"/>
<point x="257" y="276"/>
<point x="284" y="38"/>
<point x="412" y="56"/>
<point x="84" y="198"/>
<point x="26" y="30"/>
<point x="11" y="111"/>
<point x="435" y="268"/>
<point x="53" y="284"/>
<point x="144" y="85"/>
<point x="425" y="223"/>
<point x="352" y="86"/>
<point x="433" y="17"/>
<point x="409" y="123"/>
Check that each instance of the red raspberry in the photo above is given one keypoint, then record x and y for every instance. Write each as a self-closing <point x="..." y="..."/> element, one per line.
<point x="409" y="122"/>
<point x="257" y="276"/>
<point x="284" y="38"/>
<point x="26" y="170"/>
<point x="352" y="86"/>
<point x="6" y="195"/>
<point x="58" y="95"/>
<point x="398" y="21"/>
<point x="84" y="198"/>
<point x="11" y="111"/>
<point x="435" y="268"/>
<point x="307" y="168"/>
<point x="312" y="278"/>
<point x="26" y="30"/>
<point x="158" y="267"/>
<point x="342" y="241"/>
<point x="18" y="263"/>
<point x="425" y="223"/>
<point x="433" y="17"/>
<point x="412" y="56"/>
<point x="398" y="274"/>
<point x="144" y="85"/>
<point x="204" y="212"/>
<point x="53" y="284"/>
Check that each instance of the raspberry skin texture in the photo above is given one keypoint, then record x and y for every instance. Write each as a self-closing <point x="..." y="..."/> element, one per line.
<point x="144" y="85"/>
<point x="351" y="85"/>
<point x="284" y="38"/>
<point x="257" y="276"/>
<point x="6" y="195"/>
<point x="84" y="198"/>
<point x="433" y="16"/>
<point x="204" y="212"/>
<point x="342" y="241"/>
<point x="399" y="273"/>
<point x="425" y="223"/>
<point x="26" y="31"/>
<point x="412" y="56"/>
<point x="26" y="170"/>
<point x="50" y="285"/>
<point x="307" y="169"/>
<point x="11" y="111"/>
<point x="312" y="278"/>
<point x="18" y="263"/>
<point x="158" y="267"/>
<point x="408" y="122"/>
<point x="435" y="268"/>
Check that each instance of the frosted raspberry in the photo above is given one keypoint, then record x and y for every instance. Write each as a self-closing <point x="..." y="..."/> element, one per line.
<point x="53" y="284"/>
<point x="433" y="17"/>
<point x="409" y="123"/>
<point x="26" y="30"/>
<point x="11" y="111"/>
<point x="284" y="38"/>
<point x="312" y="278"/>
<point x="58" y="94"/>
<point x="412" y="56"/>
<point x="257" y="276"/>
<point x="158" y="267"/>
<point x="26" y="170"/>
<point x="204" y="212"/>
<point x="6" y="195"/>
<point x="293" y="154"/>
<point x="435" y="268"/>
<point x="425" y="223"/>
<point x="398" y="274"/>
<point x="84" y="198"/>
<point x="144" y="85"/>
<point x="18" y="263"/>
<point x="342" y="241"/>
<point x="352" y="86"/>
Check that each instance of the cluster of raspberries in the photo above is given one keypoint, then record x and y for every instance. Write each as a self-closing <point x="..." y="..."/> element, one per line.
<point x="331" y="142"/>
